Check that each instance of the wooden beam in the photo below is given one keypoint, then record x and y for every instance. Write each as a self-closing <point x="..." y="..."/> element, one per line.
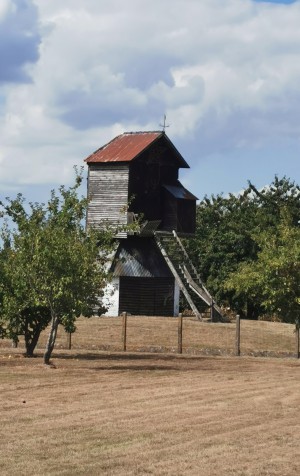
<point x="178" y="280"/>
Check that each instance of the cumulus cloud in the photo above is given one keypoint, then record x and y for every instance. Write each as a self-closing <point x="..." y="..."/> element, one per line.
<point x="19" y="39"/>
<point x="226" y="73"/>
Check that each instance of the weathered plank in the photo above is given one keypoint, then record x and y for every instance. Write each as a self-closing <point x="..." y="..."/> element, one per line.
<point x="107" y="194"/>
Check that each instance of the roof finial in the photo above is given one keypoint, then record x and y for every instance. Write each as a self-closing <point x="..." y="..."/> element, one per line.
<point x="164" y="125"/>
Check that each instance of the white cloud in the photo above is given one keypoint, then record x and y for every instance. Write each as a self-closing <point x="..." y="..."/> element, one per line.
<point x="6" y="6"/>
<point x="228" y="69"/>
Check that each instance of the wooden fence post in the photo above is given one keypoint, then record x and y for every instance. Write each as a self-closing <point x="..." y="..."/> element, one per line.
<point x="238" y="336"/>
<point x="15" y="342"/>
<point x="297" y="342"/>
<point x="179" y="334"/>
<point x="124" y="330"/>
<point x="69" y="340"/>
<point x="212" y="311"/>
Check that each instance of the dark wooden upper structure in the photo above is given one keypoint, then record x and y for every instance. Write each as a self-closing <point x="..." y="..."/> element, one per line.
<point x="137" y="174"/>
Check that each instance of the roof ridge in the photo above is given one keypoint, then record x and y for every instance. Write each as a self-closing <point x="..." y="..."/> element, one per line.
<point x="130" y="145"/>
<point x="143" y="132"/>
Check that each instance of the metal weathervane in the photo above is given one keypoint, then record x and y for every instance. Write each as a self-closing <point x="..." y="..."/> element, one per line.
<point x="164" y="125"/>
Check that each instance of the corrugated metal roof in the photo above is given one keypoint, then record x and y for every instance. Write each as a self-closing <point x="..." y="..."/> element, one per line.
<point x="124" y="148"/>
<point x="128" y="146"/>
<point x="178" y="191"/>
<point x="139" y="257"/>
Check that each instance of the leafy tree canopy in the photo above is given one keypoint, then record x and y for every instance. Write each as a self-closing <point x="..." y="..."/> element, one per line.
<point x="274" y="277"/>
<point x="229" y="235"/>
<point x="53" y="269"/>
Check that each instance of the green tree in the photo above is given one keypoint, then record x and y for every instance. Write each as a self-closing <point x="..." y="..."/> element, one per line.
<point x="20" y="312"/>
<point x="52" y="263"/>
<point x="223" y="240"/>
<point x="272" y="202"/>
<point x="226" y="237"/>
<point x="2" y="291"/>
<point x="274" y="278"/>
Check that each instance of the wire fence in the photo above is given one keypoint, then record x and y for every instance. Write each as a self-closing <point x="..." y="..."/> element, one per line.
<point x="273" y="339"/>
<point x="177" y="335"/>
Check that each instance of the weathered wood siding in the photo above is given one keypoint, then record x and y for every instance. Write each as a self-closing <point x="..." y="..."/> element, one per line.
<point x="179" y="214"/>
<point x="148" y="173"/>
<point x="107" y="194"/>
<point x="186" y="216"/>
<point x="170" y="212"/>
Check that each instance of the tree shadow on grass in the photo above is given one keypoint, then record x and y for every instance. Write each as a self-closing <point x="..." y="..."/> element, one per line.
<point x="128" y="356"/>
<point x="137" y="368"/>
<point x="126" y="362"/>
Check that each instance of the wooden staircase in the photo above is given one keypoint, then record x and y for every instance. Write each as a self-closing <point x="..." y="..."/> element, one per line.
<point x="186" y="275"/>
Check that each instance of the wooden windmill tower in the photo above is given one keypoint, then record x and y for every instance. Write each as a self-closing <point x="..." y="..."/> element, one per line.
<point x="137" y="174"/>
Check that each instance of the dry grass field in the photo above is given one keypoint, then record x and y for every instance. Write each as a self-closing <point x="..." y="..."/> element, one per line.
<point x="113" y="413"/>
<point x="159" y="334"/>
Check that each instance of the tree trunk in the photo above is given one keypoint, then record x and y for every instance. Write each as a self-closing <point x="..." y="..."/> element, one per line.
<point x="36" y="319"/>
<point x="252" y="311"/>
<point x="51" y="339"/>
<point x="15" y="342"/>
<point x="31" y="341"/>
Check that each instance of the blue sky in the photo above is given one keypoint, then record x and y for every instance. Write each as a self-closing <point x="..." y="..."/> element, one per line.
<point x="276" y="1"/>
<point x="76" y="73"/>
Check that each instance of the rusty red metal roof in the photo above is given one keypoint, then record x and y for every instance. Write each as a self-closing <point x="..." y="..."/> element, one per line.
<point x="124" y="148"/>
<point x="128" y="146"/>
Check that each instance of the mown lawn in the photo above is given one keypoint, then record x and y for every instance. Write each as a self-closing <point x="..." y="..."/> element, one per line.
<point x="113" y="413"/>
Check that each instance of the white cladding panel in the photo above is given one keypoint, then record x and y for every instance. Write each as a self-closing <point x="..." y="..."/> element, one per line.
<point x="111" y="297"/>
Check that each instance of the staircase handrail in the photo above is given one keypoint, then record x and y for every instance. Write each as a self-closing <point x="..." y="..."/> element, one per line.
<point x="190" y="263"/>
<point x="208" y="299"/>
<point x="178" y="279"/>
<point x="202" y="294"/>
